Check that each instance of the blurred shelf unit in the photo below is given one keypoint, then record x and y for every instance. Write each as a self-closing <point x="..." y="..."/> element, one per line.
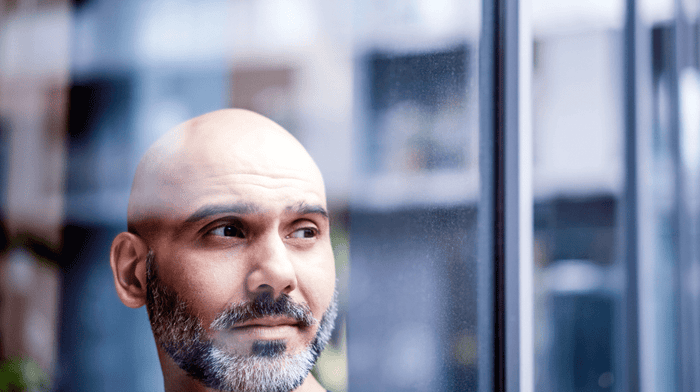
<point x="34" y="78"/>
<point x="415" y="25"/>
<point x="548" y="184"/>
<point x="418" y="115"/>
<point x="417" y="118"/>
<point x="400" y="190"/>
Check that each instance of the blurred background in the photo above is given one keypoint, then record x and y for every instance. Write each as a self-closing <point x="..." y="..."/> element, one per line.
<point x="389" y="97"/>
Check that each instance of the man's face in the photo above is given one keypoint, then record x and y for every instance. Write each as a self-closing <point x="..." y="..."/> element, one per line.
<point x="243" y="267"/>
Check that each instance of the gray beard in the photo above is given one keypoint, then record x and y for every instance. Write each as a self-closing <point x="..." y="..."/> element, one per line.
<point x="267" y="369"/>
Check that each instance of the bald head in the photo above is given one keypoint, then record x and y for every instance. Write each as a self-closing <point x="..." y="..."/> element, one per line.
<point x="227" y="211"/>
<point x="203" y="160"/>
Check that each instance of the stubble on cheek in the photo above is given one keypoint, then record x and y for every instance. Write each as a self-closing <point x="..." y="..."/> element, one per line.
<point x="172" y="322"/>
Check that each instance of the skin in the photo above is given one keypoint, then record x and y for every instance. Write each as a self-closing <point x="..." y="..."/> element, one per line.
<point x="232" y="206"/>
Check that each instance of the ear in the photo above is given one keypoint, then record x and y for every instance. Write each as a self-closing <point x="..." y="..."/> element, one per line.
<point x="128" y="260"/>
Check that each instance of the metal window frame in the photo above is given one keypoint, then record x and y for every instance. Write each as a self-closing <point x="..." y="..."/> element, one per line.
<point x="505" y="223"/>
<point x="627" y="363"/>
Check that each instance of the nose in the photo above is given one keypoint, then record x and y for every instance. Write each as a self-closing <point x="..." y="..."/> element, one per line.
<point x="272" y="270"/>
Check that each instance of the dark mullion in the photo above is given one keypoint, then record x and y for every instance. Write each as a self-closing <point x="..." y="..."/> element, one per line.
<point x="630" y="199"/>
<point x="499" y="197"/>
<point x="489" y="353"/>
<point x="505" y="195"/>
<point x="498" y="55"/>
<point x="511" y="217"/>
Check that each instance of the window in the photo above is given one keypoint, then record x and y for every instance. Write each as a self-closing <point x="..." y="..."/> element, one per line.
<point x="514" y="185"/>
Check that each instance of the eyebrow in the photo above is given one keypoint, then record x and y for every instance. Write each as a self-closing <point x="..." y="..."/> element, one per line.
<point x="305" y="209"/>
<point x="244" y="208"/>
<point x="218" y="209"/>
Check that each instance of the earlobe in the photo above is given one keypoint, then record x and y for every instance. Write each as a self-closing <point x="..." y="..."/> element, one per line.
<point x="128" y="260"/>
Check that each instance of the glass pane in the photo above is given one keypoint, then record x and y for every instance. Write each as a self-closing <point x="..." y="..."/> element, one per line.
<point x="672" y="316"/>
<point x="137" y="70"/>
<point x="578" y="179"/>
<point x="661" y="318"/>
<point x="384" y="96"/>
<point x="413" y="302"/>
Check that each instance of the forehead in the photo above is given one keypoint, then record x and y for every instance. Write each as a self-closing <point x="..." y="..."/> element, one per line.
<point x="265" y="171"/>
<point x="247" y="193"/>
<point x="230" y="157"/>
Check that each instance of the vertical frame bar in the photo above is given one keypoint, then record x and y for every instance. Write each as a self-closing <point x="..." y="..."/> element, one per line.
<point x="688" y="372"/>
<point x="674" y="110"/>
<point x="641" y="107"/>
<point x="630" y="225"/>
<point x="506" y="192"/>
<point x="504" y="372"/>
<point x="526" y="226"/>
<point x="489" y="318"/>
<point x="509" y="190"/>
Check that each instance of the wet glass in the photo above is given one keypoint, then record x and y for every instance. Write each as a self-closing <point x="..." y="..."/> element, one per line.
<point x="670" y="303"/>
<point x="415" y="198"/>
<point x="578" y="184"/>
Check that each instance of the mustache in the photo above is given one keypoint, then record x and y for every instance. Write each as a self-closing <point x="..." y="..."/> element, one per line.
<point x="264" y="305"/>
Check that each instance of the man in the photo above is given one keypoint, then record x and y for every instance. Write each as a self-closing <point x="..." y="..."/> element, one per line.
<point x="228" y="246"/>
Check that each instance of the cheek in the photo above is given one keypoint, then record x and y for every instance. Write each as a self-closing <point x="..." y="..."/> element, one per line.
<point x="316" y="280"/>
<point x="208" y="282"/>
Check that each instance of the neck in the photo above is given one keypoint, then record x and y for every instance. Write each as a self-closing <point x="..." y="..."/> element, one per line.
<point x="310" y="385"/>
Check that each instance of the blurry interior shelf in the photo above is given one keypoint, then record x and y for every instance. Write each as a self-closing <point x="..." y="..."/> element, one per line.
<point x="549" y="182"/>
<point x="386" y="191"/>
<point x="444" y="188"/>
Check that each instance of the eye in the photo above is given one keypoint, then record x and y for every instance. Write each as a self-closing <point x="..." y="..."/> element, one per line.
<point x="228" y="231"/>
<point x="305" y="232"/>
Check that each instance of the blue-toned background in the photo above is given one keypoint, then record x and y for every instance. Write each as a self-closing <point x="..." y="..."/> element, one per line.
<point x="389" y="99"/>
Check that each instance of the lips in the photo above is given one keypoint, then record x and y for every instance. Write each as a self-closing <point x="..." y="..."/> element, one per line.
<point x="264" y="311"/>
<point x="267" y="322"/>
<point x="266" y="328"/>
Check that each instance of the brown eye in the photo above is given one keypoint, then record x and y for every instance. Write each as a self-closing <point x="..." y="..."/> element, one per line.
<point x="303" y="233"/>
<point x="228" y="231"/>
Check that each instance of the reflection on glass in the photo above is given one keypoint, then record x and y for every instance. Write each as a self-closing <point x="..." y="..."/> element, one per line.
<point x="577" y="174"/>
<point x="660" y="302"/>
<point x="413" y="303"/>
<point x="418" y="103"/>
<point x="673" y="318"/>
